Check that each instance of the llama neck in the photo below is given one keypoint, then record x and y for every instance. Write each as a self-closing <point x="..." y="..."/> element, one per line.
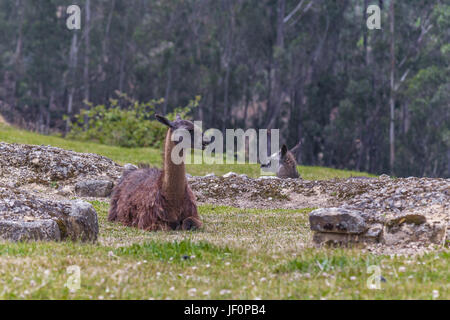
<point x="174" y="179"/>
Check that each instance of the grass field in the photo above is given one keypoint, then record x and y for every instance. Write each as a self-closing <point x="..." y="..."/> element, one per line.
<point x="239" y="254"/>
<point x="153" y="156"/>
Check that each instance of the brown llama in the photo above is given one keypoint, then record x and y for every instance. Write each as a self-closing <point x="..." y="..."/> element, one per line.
<point x="287" y="165"/>
<point x="153" y="199"/>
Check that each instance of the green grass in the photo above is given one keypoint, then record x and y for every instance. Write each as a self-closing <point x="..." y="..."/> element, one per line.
<point x="121" y="155"/>
<point x="153" y="156"/>
<point x="239" y="254"/>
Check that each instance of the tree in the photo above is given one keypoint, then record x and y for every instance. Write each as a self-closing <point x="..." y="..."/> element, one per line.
<point x="347" y="96"/>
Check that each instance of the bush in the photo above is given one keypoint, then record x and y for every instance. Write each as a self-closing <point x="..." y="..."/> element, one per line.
<point x="130" y="126"/>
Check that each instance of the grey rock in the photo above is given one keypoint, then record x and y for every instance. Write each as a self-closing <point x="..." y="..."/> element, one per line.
<point x="23" y="217"/>
<point x="65" y="191"/>
<point x="42" y="230"/>
<point x="94" y="188"/>
<point x="229" y="174"/>
<point x="341" y="239"/>
<point x="337" y="220"/>
<point x="374" y="231"/>
<point x="425" y="233"/>
<point x="25" y="164"/>
<point x="130" y="166"/>
<point x="376" y="201"/>
<point x="268" y="177"/>
<point x="407" y="218"/>
<point x="81" y="222"/>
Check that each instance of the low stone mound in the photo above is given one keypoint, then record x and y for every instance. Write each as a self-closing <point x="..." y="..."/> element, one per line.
<point x="26" y="164"/>
<point x="24" y="217"/>
<point x="272" y="192"/>
<point x="352" y="211"/>
<point x="392" y="211"/>
<point x="264" y="192"/>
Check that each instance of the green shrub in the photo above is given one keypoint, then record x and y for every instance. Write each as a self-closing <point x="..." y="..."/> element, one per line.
<point x="124" y="122"/>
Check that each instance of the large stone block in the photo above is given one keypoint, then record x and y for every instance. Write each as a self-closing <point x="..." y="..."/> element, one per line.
<point x="337" y="220"/>
<point x="94" y="188"/>
<point x="25" y="217"/>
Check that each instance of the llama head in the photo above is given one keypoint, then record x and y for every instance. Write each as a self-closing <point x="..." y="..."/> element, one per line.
<point x="189" y="126"/>
<point x="284" y="160"/>
<point x="277" y="157"/>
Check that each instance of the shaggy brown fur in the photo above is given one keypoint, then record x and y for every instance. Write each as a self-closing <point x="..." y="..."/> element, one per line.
<point x="151" y="199"/>
<point x="287" y="165"/>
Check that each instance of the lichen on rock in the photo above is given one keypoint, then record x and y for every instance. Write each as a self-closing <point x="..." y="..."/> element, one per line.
<point x="25" y="217"/>
<point x="22" y="164"/>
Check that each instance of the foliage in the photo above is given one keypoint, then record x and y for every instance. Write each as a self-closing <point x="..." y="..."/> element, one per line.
<point x="319" y="75"/>
<point x="125" y="122"/>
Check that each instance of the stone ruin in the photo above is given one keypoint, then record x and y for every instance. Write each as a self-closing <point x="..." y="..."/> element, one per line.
<point x="37" y="183"/>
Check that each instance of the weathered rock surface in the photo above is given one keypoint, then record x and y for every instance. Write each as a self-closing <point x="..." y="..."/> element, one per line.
<point x="337" y="220"/>
<point x="411" y="232"/>
<point x="35" y="184"/>
<point x="23" y="217"/>
<point x="370" y="210"/>
<point x="94" y="188"/>
<point x="44" y="230"/>
<point x="36" y="181"/>
<point x="342" y="239"/>
<point x="25" y="164"/>
<point x="398" y="211"/>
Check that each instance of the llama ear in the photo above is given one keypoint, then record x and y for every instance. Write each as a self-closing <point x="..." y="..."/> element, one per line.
<point x="283" y="150"/>
<point x="178" y="117"/>
<point x="164" y="120"/>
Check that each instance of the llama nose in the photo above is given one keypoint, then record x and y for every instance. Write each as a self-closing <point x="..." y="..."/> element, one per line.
<point x="206" y="143"/>
<point x="265" y="165"/>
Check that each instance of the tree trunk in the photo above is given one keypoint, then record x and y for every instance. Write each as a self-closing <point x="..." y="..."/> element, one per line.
<point x="107" y="31"/>
<point x="247" y="101"/>
<point x="41" y="108"/>
<point x="168" y="87"/>
<point x="18" y="52"/>
<point x="86" y="97"/>
<point x="228" y="60"/>
<point x="73" y="59"/>
<point x="123" y="56"/>
<point x="122" y="66"/>
<point x="87" y="44"/>
<point x="226" y="89"/>
<point x="48" y="116"/>
<point x="105" y="52"/>
<point x="275" y="104"/>
<point x="392" y="95"/>
<point x="448" y="163"/>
